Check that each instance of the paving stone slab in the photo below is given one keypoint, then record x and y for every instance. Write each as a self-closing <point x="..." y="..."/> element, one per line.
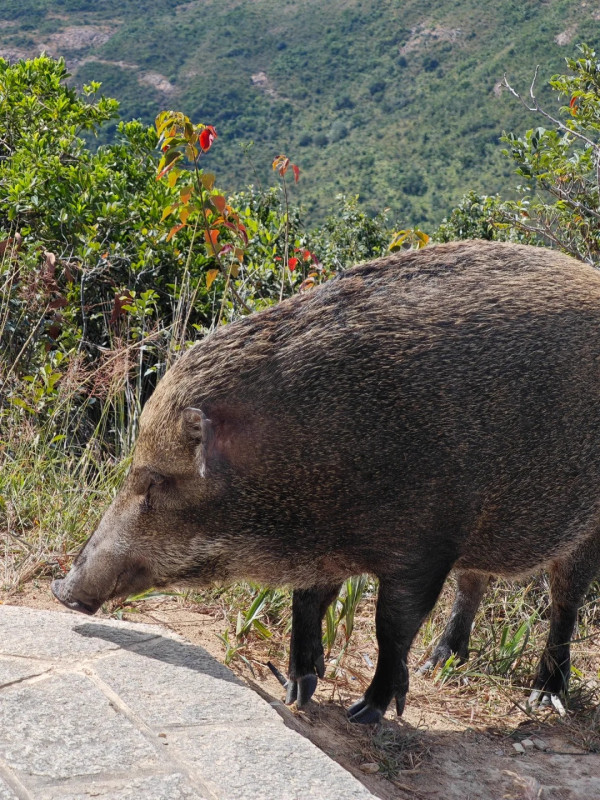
<point x="53" y="635"/>
<point x="257" y="763"/>
<point x="177" y="683"/>
<point x="17" y="669"/>
<point x="84" y="728"/>
<point x="156" y="787"/>
<point x="6" y="793"/>
<point x="64" y="726"/>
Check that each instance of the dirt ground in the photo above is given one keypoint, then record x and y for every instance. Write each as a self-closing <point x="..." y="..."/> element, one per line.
<point x="451" y="743"/>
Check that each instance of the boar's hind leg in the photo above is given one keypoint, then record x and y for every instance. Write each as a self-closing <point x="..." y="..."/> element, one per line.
<point x="569" y="581"/>
<point x="403" y="603"/>
<point x="306" y="646"/>
<point x="470" y="588"/>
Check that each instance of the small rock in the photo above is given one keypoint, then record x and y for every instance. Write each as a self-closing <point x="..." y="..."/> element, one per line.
<point x="370" y="767"/>
<point x="519" y="748"/>
<point x="527" y="744"/>
<point x="540" y="744"/>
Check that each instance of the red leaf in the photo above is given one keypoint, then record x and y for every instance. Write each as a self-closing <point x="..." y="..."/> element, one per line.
<point x="296" y="171"/>
<point x="292" y="264"/>
<point x="58" y="302"/>
<point x="121" y="299"/>
<point x="207" y="137"/>
<point x="573" y="105"/>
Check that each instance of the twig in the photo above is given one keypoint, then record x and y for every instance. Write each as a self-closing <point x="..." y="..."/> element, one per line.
<point x="536" y="108"/>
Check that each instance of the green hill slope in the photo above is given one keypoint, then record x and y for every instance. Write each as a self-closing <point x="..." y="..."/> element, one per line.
<point x="399" y="102"/>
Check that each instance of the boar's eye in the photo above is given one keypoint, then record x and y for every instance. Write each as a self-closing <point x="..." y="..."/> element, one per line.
<point x="155" y="479"/>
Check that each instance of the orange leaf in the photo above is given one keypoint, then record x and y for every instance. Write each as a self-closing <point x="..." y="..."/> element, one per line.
<point x="281" y="164"/>
<point x="219" y="202"/>
<point x="210" y="276"/>
<point x="307" y="284"/>
<point x="185" y="194"/>
<point x="174" y="230"/>
<point x="211" y="236"/>
<point x="296" y="171"/>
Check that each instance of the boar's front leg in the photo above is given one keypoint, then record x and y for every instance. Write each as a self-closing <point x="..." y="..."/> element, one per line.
<point x="470" y="588"/>
<point x="306" y="645"/>
<point x="403" y="603"/>
<point x="570" y="579"/>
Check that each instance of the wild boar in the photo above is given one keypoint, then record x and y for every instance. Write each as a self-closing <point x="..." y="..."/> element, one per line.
<point x="428" y="410"/>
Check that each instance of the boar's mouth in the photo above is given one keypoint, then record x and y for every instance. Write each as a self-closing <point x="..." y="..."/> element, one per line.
<point x="58" y="590"/>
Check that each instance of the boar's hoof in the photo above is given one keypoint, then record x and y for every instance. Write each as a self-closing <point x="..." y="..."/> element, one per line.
<point x="427" y="667"/>
<point x="364" y="713"/>
<point x="300" y="691"/>
<point x="440" y="655"/>
<point x="541" y="699"/>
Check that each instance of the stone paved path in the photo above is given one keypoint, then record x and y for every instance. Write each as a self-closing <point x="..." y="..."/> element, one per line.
<point x="113" y="710"/>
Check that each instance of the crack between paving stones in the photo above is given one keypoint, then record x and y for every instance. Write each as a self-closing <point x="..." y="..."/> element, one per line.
<point x="215" y="727"/>
<point x="45" y="660"/>
<point x="167" y="756"/>
<point x="108" y="778"/>
<point x="26" y="678"/>
<point x="13" y="783"/>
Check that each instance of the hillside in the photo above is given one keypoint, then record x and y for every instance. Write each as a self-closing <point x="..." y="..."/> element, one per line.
<point x="399" y="102"/>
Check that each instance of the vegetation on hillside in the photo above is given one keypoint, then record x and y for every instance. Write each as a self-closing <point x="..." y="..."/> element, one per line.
<point x="113" y="259"/>
<point x="400" y="101"/>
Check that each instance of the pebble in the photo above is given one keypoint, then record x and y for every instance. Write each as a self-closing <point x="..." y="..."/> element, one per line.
<point x="527" y="744"/>
<point x="370" y="767"/>
<point x="519" y="748"/>
<point x="539" y="744"/>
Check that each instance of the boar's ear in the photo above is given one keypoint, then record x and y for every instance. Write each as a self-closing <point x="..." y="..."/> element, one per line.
<point x="200" y="428"/>
<point x="229" y="437"/>
<point x="195" y="422"/>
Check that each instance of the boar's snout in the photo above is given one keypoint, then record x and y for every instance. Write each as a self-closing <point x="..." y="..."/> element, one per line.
<point x="60" y="590"/>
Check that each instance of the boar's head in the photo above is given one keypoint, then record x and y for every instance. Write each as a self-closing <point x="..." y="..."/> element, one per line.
<point x="169" y="522"/>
